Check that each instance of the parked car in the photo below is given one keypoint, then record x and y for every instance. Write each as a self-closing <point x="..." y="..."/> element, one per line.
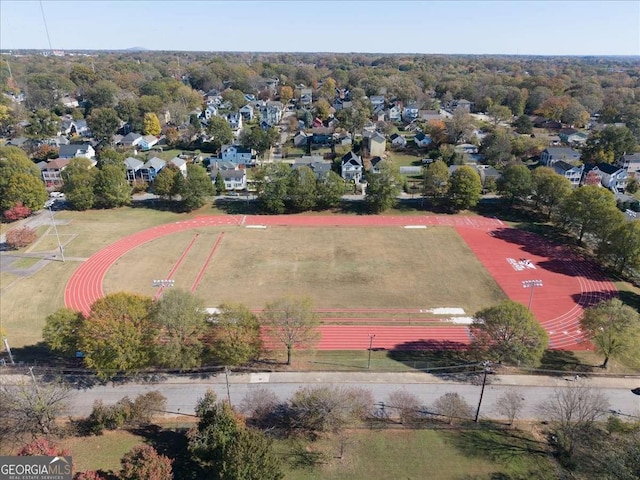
<point x="56" y="195"/>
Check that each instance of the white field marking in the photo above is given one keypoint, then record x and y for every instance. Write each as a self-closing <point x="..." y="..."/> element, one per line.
<point x="462" y="320"/>
<point x="256" y="226"/>
<point x="444" y="311"/>
<point x="423" y="227"/>
<point x="213" y="310"/>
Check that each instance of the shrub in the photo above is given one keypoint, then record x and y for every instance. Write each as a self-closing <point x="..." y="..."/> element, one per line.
<point x="39" y="447"/>
<point x="125" y="412"/>
<point x="406" y="406"/>
<point x="17" y="212"/>
<point x="452" y="406"/>
<point x="145" y="406"/>
<point x="20" y="237"/>
<point x="143" y="461"/>
<point x="88" y="475"/>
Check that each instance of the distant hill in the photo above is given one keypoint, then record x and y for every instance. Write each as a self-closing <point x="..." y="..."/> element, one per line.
<point x="135" y="49"/>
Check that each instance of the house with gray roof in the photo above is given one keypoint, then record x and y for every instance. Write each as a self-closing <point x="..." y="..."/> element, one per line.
<point x="151" y="168"/>
<point x="571" y="172"/>
<point x="316" y="163"/>
<point x="131" y="139"/>
<point x="76" y="151"/>
<point x="351" y="167"/>
<point x="631" y="163"/>
<point x="181" y="163"/>
<point x="551" y="155"/>
<point x="613" y="177"/>
<point x="133" y="166"/>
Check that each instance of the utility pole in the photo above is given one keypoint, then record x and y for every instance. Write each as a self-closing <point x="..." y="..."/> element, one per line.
<point x="6" y="346"/>
<point x="35" y="384"/>
<point x="371" y="337"/>
<point x="226" y="374"/>
<point x="485" y="366"/>
<point x="55" y="228"/>
<point x="532" y="284"/>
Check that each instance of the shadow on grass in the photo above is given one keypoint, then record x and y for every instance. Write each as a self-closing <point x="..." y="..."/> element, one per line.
<point x="563" y="361"/>
<point x="172" y="442"/>
<point x="238" y="206"/>
<point x="497" y="444"/>
<point x="433" y="354"/>
<point x="630" y="298"/>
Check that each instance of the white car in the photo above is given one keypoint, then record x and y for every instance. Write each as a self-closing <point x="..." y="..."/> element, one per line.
<point x="56" y="195"/>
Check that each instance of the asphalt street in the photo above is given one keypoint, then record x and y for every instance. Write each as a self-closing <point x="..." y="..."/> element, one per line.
<point x="182" y="393"/>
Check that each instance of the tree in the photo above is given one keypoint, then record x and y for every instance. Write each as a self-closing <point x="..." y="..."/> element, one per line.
<point x="465" y="188"/>
<point x="459" y="126"/>
<point x="610" y="143"/>
<point x="584" y="209"/>
<point x="30" y="410"/>
<point x="235" y="335"/>
<point x="575" y="114"/>
<point x="302" y="191"/>
<point x="330" y="190"/>
<point x="549" y="188"/>
<point x="226" y="448"/>
<point x="382" y="188"/>
<point x="79" y="178"/>
<point x="111" y="188"/>
<point x="452" y="406"/>
<point x="553" y="107"/>
<point x="143" y="461"/>
<point x="118" y="335"/>
<point x="286" y="94"/>
<point x="497" y="147"/>
<point x="41" y="447"/>
<point x="61" y="331"/>
<point x="323" y="109"/>
<point x="104" y="123"/>
<point x="43" y="123"/>
<point x="165" y="182"/>
<point x="292" y="323"/>
<point x="219" y="184"/>
<point x="102" y="93"/>
<point x="235" y="98"/>
<point x="197" y="186"/>
<point x="108" y="156"/>
<point x="181" y="320"/>
<point x="510" y="405"/>
<point x="220" y="130"/>
<point x="524" y="124"/>
<point x="406" y="404"/>
<point x="515" y="182"/>
<point x="20" y="180"/>
<point x="624" y="247"/>
<point x="17" y="212"/>
<point x="328" y="89"/>
<point x="508" y="332"/>
<point x="151" y="124"/>
<point x="258" y="139"/>
<point x="499" y="114"/>
<point x="273" y="192"/>
<point x="436" y="179"/>
<point x="611" y="326"/>
<point x="572" y="411"/>
<point x="20" y="237"/>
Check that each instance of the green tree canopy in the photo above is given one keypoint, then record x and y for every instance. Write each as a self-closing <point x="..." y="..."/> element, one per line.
<point x="219" y="184"/>
<point x="258" y="139"/>
<point x="608" y="145"/>
<point x="235" y="335"/>
<point x="508" y="332"/>
<point x="465" y="188"/>
<point x="180" y="318"/>
<point x="500" y="114"/>
<point x="61" y="331"/>
<point x="515" y="182"/>
<point x="102" y="93"/>
<point x="382" y="188"/>
<point x="624" y="249"/>
<point x="524" y="124"/>
<point x="302" y="190"/>
<point x="549" y="188"/>
<point x="20" y="180"/>
<point x="111" y="188"/>
<point x="196" y="188"/>
<point x="330" y="190"/>
<point x="235" y="98"/>
<point x="274" y="188"/>
<point x="585" y="210"/>
<point x="220" y="130"/>
<point x="104" y="123"/>
<point x="108" y="156"/>
<point x="43" y="123"/>
<point x="165" y="182"/>
<point x="612" y="327"/>
<point x="436" y="179"/>
<point x="79" y="178"/>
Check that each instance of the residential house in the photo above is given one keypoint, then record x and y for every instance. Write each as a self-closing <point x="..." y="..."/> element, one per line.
<point x="341" y="104"/>
<point x="147" y="142"/>
<point x="374" y="143"/>
<point x="379" y="115"/>
<point x="234" y="180"/>
<point x="210" y="111"/>
<point x="271" y="112"/>
<point x="131" y="139"/>
<point x="467" y="148"/>
<point x="571" y="172"/>
<point x="69" y="102"/>
<point x="306" y="96"/>
<point x="351" y="167"/>
<point x="57" y="141"/>
<point x="133" y="166"/>
<point x="398" y="141"/>
<point x="317" y="123"/>
<point x="301" y="139"/>
<point x="422" y="140"/>
<point x="321" y="137"/>
<point x="374" y="165"/>
<point x="52" y="172"/>
<point x="69" y="126"/>
<point x="343" y="138"/>
<point x="316" y="163"/>
<point x="237" y="154"/>
<point x="149" y="171"/>
<point x="235" y="122"/>
<point x="631" y="163"/>
<point x="410" y="113"/>
<point x="219" y="164"/>
<point x="181" y="164"/>
<point x="377" y="101"/>
<point x="613" y="177"/>
<point x="21" y="142"/>
<point x="76" y="150"/>
<point x="429" y="115"/>
<point x="551" y="155"/>
<point x="591" y="175"/>
<point x="572" y="136"/>
<point x="393" y="114"/>
<point x="247" y="112"/>
<point x="541" y="122"/>
<point x="462" y="104"/>
<point x="488" y="174"/>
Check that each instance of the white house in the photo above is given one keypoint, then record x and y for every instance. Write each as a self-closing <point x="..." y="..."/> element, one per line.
<point x="76" y="151"/>
<point x="237" y="154"/>
<point x="398" y="141"/>
<point x="377" y="101"/>
<point x="613" y="177"/>
<point x="52" y="171"/>
<point x="571" y="172"/>
<point x="351" y="167"/>
<point x="210" y="111"/>
<point x="235" y="122"/>
<point x="410" y="113"/>
<point x="247" y="112"/>
<point x="181" y="163"/>
<point x="131" y="139"/>
<point x="147" y="142"/>
<point x="394" y="114"/>
<point x="631" y="163"/>
<point x="233" y="179"/>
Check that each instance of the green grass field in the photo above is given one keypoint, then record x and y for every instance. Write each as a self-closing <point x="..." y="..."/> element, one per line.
<point x="336" y="267"/>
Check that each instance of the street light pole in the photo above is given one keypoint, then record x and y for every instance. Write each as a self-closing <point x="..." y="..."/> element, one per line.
<point x="532" y="284"/>
<point x="371" y="337"/>
<point x="485" y="366"/>
<point x="55" y="228"/>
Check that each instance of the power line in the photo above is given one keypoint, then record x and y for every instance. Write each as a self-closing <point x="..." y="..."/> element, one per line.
<point x="46" y="28"/>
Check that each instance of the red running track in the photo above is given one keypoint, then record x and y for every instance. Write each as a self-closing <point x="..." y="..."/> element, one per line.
<point x="569" y="283"/>
<point x="587" y="285"/>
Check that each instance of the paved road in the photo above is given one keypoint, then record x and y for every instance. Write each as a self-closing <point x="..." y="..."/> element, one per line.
<point x="182" y="392"/>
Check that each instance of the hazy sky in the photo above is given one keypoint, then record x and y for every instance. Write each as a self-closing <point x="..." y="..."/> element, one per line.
<point x="477" y="27"/>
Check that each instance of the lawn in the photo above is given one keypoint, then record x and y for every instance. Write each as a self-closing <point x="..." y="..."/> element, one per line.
<point x="402" y="159"/>
<point x="100" y="452"/>
<point x="336" y="267"/>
